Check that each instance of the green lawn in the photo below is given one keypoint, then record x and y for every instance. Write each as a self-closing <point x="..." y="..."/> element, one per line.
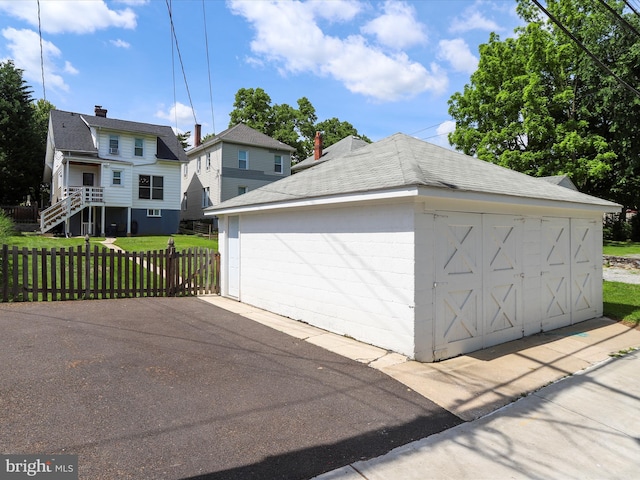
<point x="130" y="244"/>
<point x="620" y="249"/>
<point x="182" y="242"/>
<point x="622" y="302"/>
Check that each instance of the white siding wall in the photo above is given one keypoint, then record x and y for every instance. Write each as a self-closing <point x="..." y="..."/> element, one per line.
<point x="171" y="195"/>
<point x="118" y="195"/>
<point x="126" y="143"/>
<point x="347" y="270"/>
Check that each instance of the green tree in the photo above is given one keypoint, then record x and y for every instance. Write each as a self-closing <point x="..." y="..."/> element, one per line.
<point x="183" y="139"/>
<point x="22" y="144"/>
<point x="540" y="105"/>
<point x="294" y="126"/>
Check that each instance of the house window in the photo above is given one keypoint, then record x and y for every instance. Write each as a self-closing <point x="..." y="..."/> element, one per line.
<point x="185" y="170"/>
<point x="242" y="190"/>
<point x="184" y="201"/>
<point x="116" y="177"/>
<point x="198" y="164"/>
<point x="114" y="142"/>
<point x="243" y="159"/>
<point x="154" y="212"/>
<point x="138" y="150"/>
<point x="277" y="163"/>
<point x="205" y="197"/>
<point x="150" y="187"/>
<point x="208" y="161"/>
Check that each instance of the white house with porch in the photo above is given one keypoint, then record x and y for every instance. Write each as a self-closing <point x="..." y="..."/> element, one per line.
<point x="111" y="177"/>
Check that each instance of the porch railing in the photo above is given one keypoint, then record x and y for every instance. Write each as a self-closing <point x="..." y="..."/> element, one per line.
<point x="74" y="199"/>
<point x="91" y="194"/>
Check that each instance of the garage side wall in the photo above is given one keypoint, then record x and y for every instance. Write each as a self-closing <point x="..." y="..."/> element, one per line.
<point x="346" y="270"/>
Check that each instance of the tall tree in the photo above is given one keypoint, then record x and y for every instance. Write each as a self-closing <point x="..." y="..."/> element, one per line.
<point x="294" y="126"/>
<point x="22" y="144"/>
<point x="540" y="105"/>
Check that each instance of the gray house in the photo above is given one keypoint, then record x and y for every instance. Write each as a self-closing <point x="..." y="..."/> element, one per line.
<point x="417" y="249"/>
<point x="235" y="161"/>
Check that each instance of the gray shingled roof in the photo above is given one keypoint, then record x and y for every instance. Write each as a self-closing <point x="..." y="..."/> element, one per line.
<point x="71" y="132"/>
<point x="338" y="149"/>
<point x="244" y="135"/>
<point x="562" y="180"/>
<point x="399" y="161"/>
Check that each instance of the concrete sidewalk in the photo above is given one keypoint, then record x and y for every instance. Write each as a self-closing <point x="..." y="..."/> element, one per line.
<point x="584" y="426"/>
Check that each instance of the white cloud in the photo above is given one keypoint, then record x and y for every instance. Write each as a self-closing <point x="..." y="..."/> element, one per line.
<point x="74" y="16"/>
<point x="362" y="68"/>
<point x="472" y="19"/>
<point x="120" y="43"/>
<point x="68" y="68"/>
<point x="24" y="46"/>
<point x="397" y="27"/>
<point x="336" y="10"/>
<point x="457" y="53"/>
<point x="446" y="127"/>
<point x="178" y="111"/>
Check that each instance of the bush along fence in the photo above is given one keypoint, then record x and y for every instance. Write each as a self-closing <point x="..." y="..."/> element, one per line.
<point x="85" y="273"/>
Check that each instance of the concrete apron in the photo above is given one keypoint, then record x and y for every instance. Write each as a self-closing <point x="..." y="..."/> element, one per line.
<point x="473" y="385"/>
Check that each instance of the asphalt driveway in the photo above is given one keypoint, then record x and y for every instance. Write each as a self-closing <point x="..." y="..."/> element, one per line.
<point x="174" y="388"/>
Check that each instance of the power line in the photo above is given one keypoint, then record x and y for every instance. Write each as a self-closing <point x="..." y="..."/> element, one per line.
<point x="619" y="17"/>
<point x="184" y="75"/>
<point x="206" y="42"/>
<point x="586" y="50"/>
<point x="631" y="7"/>
<point x="44" y="90"/>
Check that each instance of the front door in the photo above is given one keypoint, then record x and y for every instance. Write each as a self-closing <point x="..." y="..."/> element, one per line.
<point x="87" y="179"/>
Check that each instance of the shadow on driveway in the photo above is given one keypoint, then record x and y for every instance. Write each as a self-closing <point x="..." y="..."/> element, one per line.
<point x="174" y="388"/>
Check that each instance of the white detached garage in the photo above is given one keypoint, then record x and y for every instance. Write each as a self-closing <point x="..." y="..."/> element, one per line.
<point x="416" y="249"/>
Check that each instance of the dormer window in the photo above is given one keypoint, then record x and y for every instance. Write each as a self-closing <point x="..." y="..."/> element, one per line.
<point x="114" y="142"/>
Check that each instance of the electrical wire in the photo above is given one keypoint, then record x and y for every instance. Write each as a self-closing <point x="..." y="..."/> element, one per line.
<point x="619" y="17"/>
<point x="44" y="90"/>
<point x="585" y="49"/>
<point x="173" y="74"/>
<point x="206" y="43"/>
<point x="184" y="75"/>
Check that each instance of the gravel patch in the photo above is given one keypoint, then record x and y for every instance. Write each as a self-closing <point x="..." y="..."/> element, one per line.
<point x="624" y="275"/>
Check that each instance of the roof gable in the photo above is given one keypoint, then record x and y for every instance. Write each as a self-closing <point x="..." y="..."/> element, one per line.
<point x="244" y="135"/>
<point x="401" y="161"/>
<point x="338" y="149"/>
<point x="72" y="132"/>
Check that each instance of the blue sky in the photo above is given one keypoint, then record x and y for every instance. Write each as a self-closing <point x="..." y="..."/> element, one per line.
<point x="384" y="66"/>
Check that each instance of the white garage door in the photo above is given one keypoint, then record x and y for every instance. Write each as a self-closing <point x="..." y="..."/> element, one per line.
<point x="503" y="277"/>
<point x="458" y="278"/>
<point x="478" y="282"/>
<point x="585" y="263"/>
<point x="556" y="273"/>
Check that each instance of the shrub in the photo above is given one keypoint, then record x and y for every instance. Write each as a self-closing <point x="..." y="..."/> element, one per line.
<point x="6" y="225"/>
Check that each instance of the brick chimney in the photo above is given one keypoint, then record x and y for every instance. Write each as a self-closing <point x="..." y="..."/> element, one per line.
<point x="317" y="146"/>
<point x="197" y="135"/>
<point x="100" y="112"/>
